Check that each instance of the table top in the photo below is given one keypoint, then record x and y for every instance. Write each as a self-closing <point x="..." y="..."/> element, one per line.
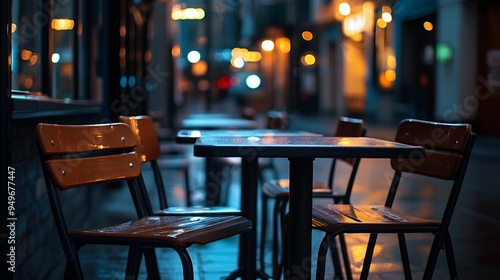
<point x="190" y="136"/>
<point x="303" y="147"/>
<point x="218" y="123"/>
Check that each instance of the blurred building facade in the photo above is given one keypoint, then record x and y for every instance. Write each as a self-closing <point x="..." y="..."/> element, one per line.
<point x="386" y="60"/>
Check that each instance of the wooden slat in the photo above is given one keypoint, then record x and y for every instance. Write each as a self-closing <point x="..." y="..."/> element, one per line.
<point x="181" y="230"/>
<point x="434" y="135"/>
<point x="329" y="217"/>
<point x="74" y="172"/>
<point x="444" y="145"/>
<point x="68" y="139"/>
<point x="143" y="128"/>
<point x="436" y="164"/>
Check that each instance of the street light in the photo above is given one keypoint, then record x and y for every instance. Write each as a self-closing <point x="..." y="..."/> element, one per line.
<point x="267" y="45"/>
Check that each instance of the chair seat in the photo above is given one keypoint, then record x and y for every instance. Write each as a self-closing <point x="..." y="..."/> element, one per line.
<point x="199" y="210"/>
<point x="164" y="230"/>
<point x="372" y="218"/>
<point x="280" y="189"/>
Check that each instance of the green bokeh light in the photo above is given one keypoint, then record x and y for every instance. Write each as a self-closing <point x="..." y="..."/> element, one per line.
<point x="444" y="53"/>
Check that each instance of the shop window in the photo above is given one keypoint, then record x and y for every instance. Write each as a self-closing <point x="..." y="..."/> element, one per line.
<point x="63" y="30"/>
<point x="27" y="23"/>
<point x="47" y="48"/>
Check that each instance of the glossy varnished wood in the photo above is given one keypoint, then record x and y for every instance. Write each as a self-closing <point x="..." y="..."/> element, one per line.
<point x="329" y="217"/>
<point x="68" y="139"/>
<point x="180" y="230"/>
<point x="74" y="172"/>
<point x="85" y="155"/>
<point x="148" y="146"/>
<point x="451" y="137"/>
<point x="445" y="144"/>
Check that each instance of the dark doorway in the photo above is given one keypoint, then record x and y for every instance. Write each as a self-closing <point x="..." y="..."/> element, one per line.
<point x="488" y="81"/>
<point x="418" y="66"/>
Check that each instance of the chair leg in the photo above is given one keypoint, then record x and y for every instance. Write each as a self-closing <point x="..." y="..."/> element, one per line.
<point x="439" y="239"/>
<point x="187" y="264"/>
<point x="278" y="215"/>
<point x="345" y="256"/>
<point x="188" y="190"/>
<point x="368" y="256"/>
<point x="335" y="259"/>
<point x="263" y="232"/>
<point x="151" y="263"/>
<point x="244" y="246"/>
<point x="404" y="256"/>
<point x="67" y="272"/>
<point x="73" y="269"/>
<point x="450" y="256"/>
<point x="323" y="249"/>
<point x="284" y="245"/>
<point x="133" y="262"/>
<point x="283" y="226"/>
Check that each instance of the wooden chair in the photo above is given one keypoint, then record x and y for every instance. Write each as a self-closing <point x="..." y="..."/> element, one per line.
<point x="81" y="155"/>
<point x="448" y="148"/>
<point x="279" y="191"/>
<point x="148" y="148"/>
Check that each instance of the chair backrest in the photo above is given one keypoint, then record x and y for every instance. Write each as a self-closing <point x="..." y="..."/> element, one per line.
<point x="148" y="148"/>
<point x="81" y="155"/>
<point x="447" y="151"/>
<point x="350" y="127"/>
<point x="148" y="145"/>
<point x="347" y="127"/>
<point x="67" y="153"/>
<point x="277" y="120"/>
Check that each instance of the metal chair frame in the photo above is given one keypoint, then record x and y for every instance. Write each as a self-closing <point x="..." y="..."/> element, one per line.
<point x="81" y="155"/>
<point x="447" y="151"/>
